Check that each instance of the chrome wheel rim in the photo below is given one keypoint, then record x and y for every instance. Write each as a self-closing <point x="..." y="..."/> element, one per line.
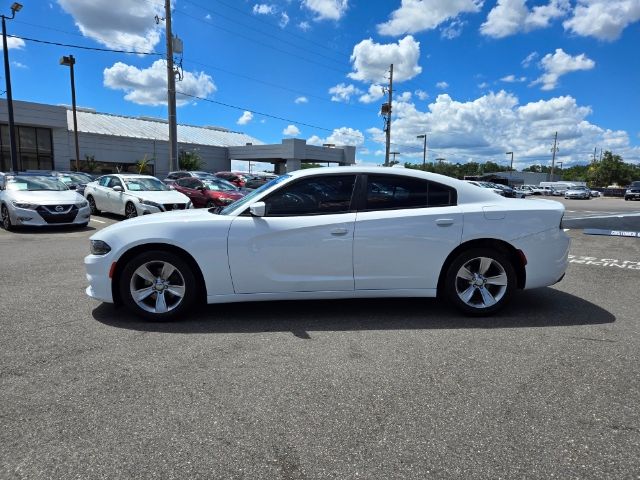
<point x="130" y="211"/>
<point x="6" y="221"/>
<point x="157" y="287"/>
<point x="481" y="282"/>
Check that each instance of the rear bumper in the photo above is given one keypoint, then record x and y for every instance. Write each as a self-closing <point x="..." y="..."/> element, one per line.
<point x="548" y="255"/>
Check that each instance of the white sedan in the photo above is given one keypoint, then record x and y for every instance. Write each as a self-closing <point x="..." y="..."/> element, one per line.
<point x="343" y="232"/>
<point x="132" y="195"/>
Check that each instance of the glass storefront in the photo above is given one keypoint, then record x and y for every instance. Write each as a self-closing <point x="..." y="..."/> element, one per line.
<point x="34" y="148"/>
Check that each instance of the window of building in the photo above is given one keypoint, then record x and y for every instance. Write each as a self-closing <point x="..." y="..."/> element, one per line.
<point x="34" y="148"/>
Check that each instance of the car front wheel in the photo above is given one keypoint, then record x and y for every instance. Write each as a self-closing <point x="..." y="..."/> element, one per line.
<point x="480" y="281"/>
<point x="130" y="210"/>
<point x="6" y="219"/>
<point x="92" y="205"/>
<point x="158" y="285"/>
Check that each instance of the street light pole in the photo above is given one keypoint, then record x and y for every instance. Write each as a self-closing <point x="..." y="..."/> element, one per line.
<point x="70" y="62"/>
<point x="510" y="168"/>
<point x="424" y="151"/>
<point x="15" y="7"/>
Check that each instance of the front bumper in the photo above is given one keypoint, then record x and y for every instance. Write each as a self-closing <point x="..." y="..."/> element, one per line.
<point x="42" y="216"/>
<point x="98" y="267"/>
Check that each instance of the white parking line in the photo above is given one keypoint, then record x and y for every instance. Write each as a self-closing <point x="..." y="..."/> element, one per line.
<point x="98" y="221"/>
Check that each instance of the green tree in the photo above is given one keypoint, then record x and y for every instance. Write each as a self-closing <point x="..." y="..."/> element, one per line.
<point x="190" y="160"/>
<point x="142" y="165"/>
<point x="309" y="165"/>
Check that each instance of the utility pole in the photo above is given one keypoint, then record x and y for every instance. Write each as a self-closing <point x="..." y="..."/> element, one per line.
<point x="15" y="7"/>
<point x="553" y="158"/>
<point x="70" y="61"/>
<point x="171" y="91"/>
<point x="511" y="168"/>
<point x="424" y="151"/>
<point x="393" y="162"/>
<point x="387" y="110"/>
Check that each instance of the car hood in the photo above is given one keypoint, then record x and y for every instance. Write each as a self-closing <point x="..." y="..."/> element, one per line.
<point x="169" y="223"/>
<point x="46" y="197"/>
<point x="167" y="196"/>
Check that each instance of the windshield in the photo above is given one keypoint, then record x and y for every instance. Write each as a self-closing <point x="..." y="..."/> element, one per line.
<point x="219" y="185"/>
<point x="139" y="184"/>
<point x="34" y="184"/>
<point x="74" y="178"/>
<point x="249" y="198"/>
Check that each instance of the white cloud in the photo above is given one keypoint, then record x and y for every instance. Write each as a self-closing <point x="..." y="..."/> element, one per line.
<point x="453" y="30"/>
<point x="13" y="44"/>
<point x="245" y="118"/>
<point x="207" y="16"/>
<point x="304" y="26"/>
<point x="421" y="94"/>
<point x="371" y="60"/>
<point x="509" y="17"/>
<point x="148" y="86"/>
<point x="375" y="93"/>
<point x="284" y="20"/>
<point x="483" y="85"/>
<point x="559" y="63"/>
<point x="603" y="19"/>
<point x="263" y="9"/>
<point x="343" y="92"/>
<point x="442" y="85"/>
<point x="513" y="79"/>
<point x="484" y="128"/>
<point x="124" y="24"/>
<point x="327" y="9"/>
<point x="415" y="16"/>
<point x="18" y="64"/>
<point x="301" y="100"/>
<point x="529" y="58"/>
<point x="291" y="131"/>
<point x="340" y="136"/>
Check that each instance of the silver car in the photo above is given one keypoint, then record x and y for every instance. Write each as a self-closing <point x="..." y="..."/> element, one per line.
<point x="578" y="192"/>
<point x="39" y="200"/>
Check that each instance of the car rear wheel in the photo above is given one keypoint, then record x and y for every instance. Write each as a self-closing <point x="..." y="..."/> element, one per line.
<point x="480" y="281"/>
<point x="130" y="210"/>
<point x="92" y="205"/>
<point x="6" y="219"/>
<point x="158" y="285"/>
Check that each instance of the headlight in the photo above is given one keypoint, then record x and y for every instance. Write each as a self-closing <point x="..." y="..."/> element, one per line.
<point x="149" y="203"/>
<point x="226" y="200"/>
<point x="30" y="206"/>
<point x="98" y="247"/>
<point x="82" y="204"/>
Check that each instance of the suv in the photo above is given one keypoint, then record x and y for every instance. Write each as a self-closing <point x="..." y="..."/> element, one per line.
<point x="633" y="191"/>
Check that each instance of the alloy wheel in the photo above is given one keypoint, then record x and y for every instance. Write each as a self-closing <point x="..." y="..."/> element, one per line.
<point x="157" y="287"/>
<point x="130" y="210"/>
<point x="481" y="282"/>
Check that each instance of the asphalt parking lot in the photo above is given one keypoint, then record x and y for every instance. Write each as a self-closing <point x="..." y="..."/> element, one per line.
<point x="397" y="388"/>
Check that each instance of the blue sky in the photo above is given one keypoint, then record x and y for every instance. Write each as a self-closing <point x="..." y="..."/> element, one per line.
<point x="480" y="77"/>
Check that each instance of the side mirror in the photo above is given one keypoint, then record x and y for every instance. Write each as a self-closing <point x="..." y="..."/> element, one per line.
<point x="258" y="209"/>
<point x="118" y="188"/>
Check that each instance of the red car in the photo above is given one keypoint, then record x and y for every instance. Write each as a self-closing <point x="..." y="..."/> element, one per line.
<point x="237" y="178"/>
<point x="208" y="192"/>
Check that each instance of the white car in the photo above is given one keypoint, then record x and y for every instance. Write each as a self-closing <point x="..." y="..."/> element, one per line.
<point x="342" y="232"/>
<point x="39" y="200"/>
<point x="132" y="195"/>
<point x="578" y="192"/>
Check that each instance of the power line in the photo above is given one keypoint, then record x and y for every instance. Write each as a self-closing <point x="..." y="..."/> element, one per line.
<point x="97" y="49"/>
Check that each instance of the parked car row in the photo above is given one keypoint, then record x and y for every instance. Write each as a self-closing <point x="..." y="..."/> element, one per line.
<point x="239" y="179"/>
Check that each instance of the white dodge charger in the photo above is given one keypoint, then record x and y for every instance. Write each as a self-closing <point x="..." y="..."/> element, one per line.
<point x="343" y="232"/>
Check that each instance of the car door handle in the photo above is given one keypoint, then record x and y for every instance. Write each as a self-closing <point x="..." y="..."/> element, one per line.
<point x="444" y="222"/>
<point x="339" y="231"/>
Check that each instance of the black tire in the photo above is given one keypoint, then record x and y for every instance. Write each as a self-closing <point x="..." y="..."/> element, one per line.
<point x="130" y="210"/>
<point x="92" y="205"/>
<point x="151" y="306"/>
<point x="479" y="290"/>
<point x="6" y="218"/>
<point x="211" y="204"/>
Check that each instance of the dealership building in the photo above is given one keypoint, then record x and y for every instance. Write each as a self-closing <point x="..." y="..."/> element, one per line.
<point x="109" y="143"/>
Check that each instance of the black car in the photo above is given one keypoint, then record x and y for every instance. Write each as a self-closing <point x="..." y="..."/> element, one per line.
<point x="633" y="191"/>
